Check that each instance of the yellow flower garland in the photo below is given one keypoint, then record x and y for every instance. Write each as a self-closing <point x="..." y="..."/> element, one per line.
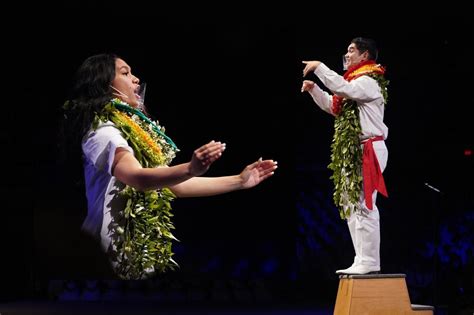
<point x="366" y="69"/>
<point x="143" y="233"/>
<point x="138" y="131"/>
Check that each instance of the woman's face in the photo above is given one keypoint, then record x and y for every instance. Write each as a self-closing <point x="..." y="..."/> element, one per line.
<point x="125" y="84"/>
<point x="354" y="57"/>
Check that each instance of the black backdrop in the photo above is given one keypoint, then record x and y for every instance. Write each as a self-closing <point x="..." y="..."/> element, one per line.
<point x="236" y="81"/>
<point x="205" y="80"/>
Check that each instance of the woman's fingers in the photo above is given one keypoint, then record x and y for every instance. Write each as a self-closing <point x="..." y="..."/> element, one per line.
<point x="209" y="152"/>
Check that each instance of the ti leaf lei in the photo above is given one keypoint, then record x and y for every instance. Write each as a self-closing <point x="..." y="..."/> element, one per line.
<point x="346" y="158"/>
<point x="143" y="238"/>
<point x="346" y="151"/>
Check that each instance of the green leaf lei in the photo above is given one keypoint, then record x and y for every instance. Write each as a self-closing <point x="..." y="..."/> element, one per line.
<point x="142" y="238"/>
<point x="346" y="153"/>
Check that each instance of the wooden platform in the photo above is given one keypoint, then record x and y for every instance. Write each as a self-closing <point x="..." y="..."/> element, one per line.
<point x="383" y="294"/>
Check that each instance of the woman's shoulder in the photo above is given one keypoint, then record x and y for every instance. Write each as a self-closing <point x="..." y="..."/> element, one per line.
<point x="104" y="130"/>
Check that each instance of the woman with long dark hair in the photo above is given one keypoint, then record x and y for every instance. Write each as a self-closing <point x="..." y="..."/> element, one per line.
<point x="128" y="178"/>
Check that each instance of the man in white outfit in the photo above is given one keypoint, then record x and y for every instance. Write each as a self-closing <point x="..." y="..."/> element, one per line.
<point x="357" y="162"/>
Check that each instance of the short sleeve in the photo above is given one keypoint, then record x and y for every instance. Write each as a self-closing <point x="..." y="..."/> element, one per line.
<point x="99" y="146"/>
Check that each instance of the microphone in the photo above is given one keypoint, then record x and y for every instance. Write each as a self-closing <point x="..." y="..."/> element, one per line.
<point x="433" y="188"/>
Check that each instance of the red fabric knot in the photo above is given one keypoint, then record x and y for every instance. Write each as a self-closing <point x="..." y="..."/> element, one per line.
<point x="336" y="105"/>
<point x="373" y="179"/>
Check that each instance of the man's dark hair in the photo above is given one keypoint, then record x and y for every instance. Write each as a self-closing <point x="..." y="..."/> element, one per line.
<point x="366" y="44"/>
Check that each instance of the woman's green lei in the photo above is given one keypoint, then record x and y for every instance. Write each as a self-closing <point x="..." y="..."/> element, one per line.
<point x="142" y="237"/>
<point x="346" y="153"/>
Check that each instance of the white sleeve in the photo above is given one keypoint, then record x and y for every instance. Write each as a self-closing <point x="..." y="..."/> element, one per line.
<point x="362" y="89"/>
<point x="322" y="98"/>
<point x="99" y="146"/>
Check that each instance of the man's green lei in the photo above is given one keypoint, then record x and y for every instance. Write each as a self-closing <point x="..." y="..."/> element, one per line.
<point x="142" y="238"/>
<point x="346" y="153"/>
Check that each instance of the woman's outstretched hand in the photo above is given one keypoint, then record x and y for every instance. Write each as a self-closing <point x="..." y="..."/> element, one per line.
<point x="257" y="172"/>
<point x="204" y="156"/>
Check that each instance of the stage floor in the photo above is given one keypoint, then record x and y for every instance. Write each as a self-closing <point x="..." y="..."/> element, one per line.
<point x="32" y="307"/>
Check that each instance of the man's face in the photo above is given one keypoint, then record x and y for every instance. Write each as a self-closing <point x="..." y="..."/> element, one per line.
<point x="354" y="57"/>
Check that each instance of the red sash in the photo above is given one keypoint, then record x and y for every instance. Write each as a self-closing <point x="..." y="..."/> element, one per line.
<point x="373" y="179"/>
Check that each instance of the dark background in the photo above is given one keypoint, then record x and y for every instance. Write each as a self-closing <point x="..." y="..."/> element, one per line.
<point x="424" y="234"/>
<point x="237" y="80"/>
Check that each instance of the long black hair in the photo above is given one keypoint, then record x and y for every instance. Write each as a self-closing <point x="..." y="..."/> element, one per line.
<point x="89" y="94"/>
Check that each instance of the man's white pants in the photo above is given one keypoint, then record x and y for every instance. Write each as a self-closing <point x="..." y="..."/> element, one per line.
<point x="364" y="224"/>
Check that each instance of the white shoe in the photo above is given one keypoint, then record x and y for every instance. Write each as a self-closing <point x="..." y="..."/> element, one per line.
<point x="359" y="270"/>
<point x="344" y="271"/>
